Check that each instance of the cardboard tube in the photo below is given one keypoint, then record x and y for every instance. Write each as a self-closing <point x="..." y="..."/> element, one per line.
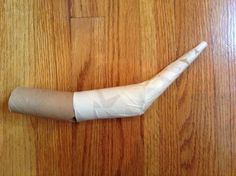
<point x="43" y="103"/>
<point x="114" y="102"/>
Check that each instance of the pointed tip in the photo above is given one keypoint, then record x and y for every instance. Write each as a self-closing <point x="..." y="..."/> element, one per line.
<point x="204" y="42"/>
<point x="193" y="54"/>
<point x="201" y="46"/>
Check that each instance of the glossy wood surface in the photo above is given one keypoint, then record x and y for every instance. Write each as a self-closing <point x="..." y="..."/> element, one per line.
<point x="76" y="45"/>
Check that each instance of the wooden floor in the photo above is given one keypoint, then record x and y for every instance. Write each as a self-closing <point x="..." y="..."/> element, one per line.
<point x="84" y="44"/>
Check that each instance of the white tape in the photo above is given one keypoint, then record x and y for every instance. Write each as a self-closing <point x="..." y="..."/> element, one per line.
<point x="110" y="102"/>
<point x="133" y="99"/>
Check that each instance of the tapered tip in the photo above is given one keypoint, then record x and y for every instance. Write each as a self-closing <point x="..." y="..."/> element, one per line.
<point x="201" y="46"/>
<point x="193" y="54"/>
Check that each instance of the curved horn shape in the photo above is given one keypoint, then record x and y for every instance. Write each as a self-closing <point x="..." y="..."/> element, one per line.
<point x="123" y="101"/>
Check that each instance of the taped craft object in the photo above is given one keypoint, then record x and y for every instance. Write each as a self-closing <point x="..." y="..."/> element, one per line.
<point x="123" y="101"/>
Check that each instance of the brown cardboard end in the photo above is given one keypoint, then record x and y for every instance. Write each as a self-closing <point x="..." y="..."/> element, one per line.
<point x="42" y="103"/>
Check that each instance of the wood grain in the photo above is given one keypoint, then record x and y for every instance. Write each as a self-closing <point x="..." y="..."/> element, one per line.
<point x="104" y="56"/>
<point x="158" y="50"/>
<point x="85" y="44"/>
<point x="36" y="48"/>
<point x="84" y="8"/>
<point x="196" y="133"/>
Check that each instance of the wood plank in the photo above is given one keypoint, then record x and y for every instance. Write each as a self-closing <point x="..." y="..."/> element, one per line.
<point x="52" y="70"/>
<point x="124" y="54"/>
<point x="89" y="72"/>
<point x="103" y="50"/>
<point x="85" y="8"/>
<point x="195" y="93"/>
<point x="158" y="50"/>
<point x="36" y="54"/>
<point x="223" y="43"/>
<point x="231" y="52"/>
<point x="17" y="151"/>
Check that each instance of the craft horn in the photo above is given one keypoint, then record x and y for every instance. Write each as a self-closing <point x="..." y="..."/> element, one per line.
<point x="123" y="101"/>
